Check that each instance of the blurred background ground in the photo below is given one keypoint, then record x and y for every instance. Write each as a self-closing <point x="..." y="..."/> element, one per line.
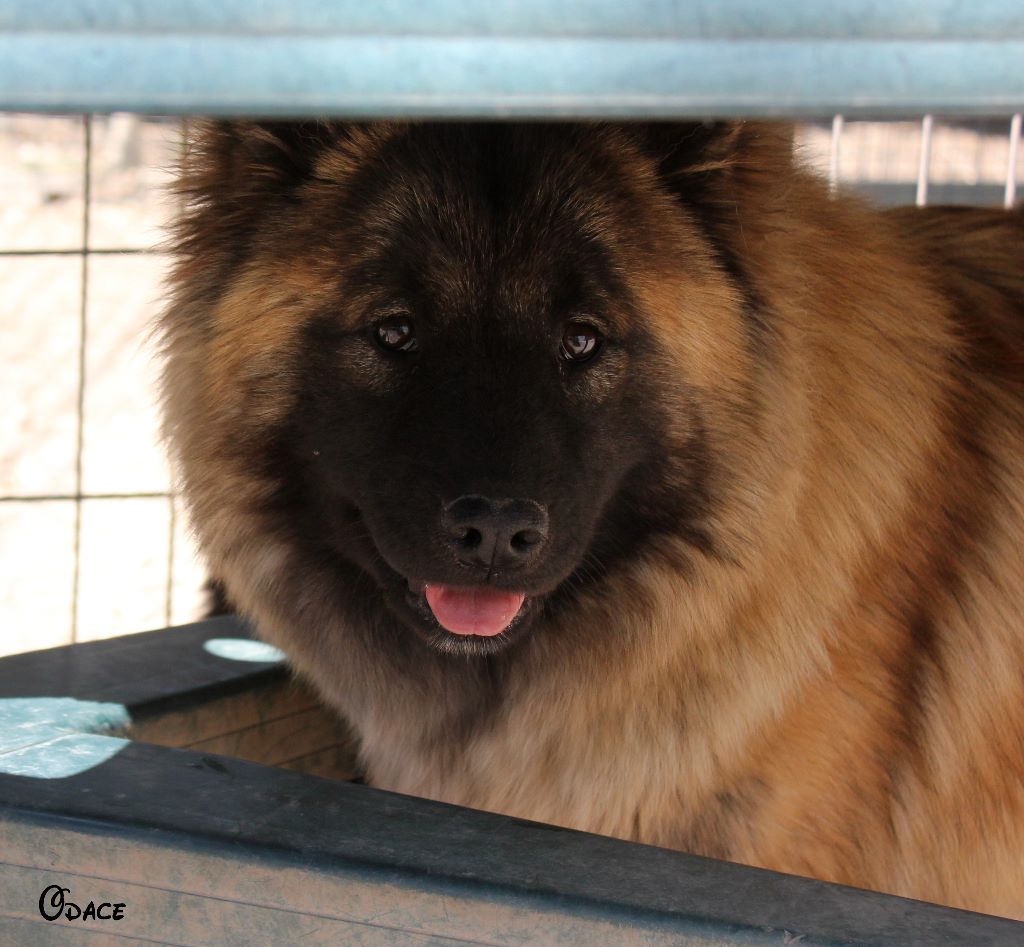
<point x="92" y="542"/>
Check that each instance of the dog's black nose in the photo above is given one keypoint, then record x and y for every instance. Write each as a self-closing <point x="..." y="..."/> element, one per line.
<point x="498" y="534"/>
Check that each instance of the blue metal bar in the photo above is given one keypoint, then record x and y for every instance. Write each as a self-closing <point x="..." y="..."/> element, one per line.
<point x="584" y="58"/>
<point x="679" y="19"/>
<point x="514" y="77"/>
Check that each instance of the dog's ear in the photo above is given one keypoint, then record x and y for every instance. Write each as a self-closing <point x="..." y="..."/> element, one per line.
<point x="688" y="147"/>
<point x="244" y="157"/>
<point x="702" y="160"/>
<point x="281" y="152"/>
<point x="232" y="174"/>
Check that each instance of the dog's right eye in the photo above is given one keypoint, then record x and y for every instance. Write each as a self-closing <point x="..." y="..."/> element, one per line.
<point x="396" y="334"/>
<point x="580" y="342"/>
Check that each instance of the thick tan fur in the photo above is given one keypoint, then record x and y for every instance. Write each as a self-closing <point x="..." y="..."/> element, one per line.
<point x="841" y="692"/>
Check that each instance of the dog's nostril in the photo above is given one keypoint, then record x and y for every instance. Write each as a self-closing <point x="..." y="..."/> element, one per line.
<point x="498" y="534"/>
<point x="526" y="539"/>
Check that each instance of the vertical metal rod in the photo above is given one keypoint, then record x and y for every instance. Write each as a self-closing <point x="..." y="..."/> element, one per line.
<point x="833" y="162"/>
<point x="82" y="338"/>
<point x="925" y="161"/>
<point x="1011" y="165"/>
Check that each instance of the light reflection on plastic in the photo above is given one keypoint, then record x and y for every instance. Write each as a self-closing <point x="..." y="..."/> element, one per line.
<point x="57" y="737"/>
<point x="242" y="649"/>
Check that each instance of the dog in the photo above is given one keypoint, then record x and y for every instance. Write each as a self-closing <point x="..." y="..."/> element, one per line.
<point x="619" y="476"/>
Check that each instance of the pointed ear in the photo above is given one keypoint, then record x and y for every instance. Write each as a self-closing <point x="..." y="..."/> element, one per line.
<point x="242" y="157"/>
<point x="231" y="175"/>
<point x="699" y="160"/>
<point x="284" y="152"/>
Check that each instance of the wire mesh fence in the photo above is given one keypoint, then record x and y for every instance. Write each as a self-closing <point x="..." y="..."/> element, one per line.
<point x="92" y="542"/>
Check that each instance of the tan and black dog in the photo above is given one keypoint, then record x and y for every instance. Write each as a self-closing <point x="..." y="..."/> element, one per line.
<point x="620" y="477"/>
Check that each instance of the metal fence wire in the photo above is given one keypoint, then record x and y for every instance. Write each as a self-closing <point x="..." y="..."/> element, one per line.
<point x="92" y="547"/>
<point x="75" y="566"/>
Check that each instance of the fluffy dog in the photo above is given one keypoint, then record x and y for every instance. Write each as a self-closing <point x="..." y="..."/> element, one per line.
<point x="620" y="477"/>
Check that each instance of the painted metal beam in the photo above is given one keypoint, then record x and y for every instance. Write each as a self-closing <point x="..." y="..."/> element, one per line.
<point x="522" y="58"/>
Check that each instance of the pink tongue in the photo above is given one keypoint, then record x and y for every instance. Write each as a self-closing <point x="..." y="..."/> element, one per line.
<point x="473" y="611"/>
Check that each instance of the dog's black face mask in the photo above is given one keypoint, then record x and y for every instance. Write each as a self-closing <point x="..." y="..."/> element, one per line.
<point x="474" y="428"/>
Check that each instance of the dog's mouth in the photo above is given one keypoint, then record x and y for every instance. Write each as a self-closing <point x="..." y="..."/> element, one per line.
<point x="472" y="619"/>
<point x="473" y="610"/>
<point x="461" y="618"/>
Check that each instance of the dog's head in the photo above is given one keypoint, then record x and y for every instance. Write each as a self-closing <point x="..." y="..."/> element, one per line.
<point x="473" y="365"/>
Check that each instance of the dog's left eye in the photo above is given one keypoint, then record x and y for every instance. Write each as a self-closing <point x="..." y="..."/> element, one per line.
<point x="396" y="334"/>
<point x="580" y="342"/>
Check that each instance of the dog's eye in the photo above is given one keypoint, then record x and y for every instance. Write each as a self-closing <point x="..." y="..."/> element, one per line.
<point x="396" y="334"/>
<point x="580" y="342"/>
